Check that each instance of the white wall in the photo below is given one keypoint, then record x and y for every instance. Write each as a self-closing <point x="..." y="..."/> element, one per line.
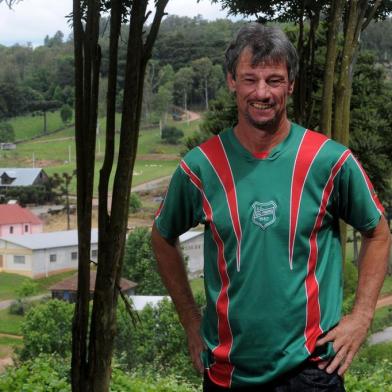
<point x="193" y="248"/>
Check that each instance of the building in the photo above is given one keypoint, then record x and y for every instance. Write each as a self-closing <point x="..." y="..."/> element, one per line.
<point x="192" y="244"/>
<point x="13" y="177"/>
<point x="43" y="254"/>
<point x="15" y="220"/>
<point x="67" y="289"/>
<point x="139" y="302"/>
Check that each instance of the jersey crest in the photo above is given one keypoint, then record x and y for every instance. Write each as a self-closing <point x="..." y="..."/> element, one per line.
<point x="264" y="214"/>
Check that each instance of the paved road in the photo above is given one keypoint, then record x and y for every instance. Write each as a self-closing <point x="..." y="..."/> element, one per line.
<point x="381" y="337"/>
<point x="6" y="303"/>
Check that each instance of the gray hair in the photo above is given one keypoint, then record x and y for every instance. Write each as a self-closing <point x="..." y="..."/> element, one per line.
<point x="267" y="43"/>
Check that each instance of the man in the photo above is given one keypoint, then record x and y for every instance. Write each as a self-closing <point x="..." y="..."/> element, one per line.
<point x="270" y="194"/>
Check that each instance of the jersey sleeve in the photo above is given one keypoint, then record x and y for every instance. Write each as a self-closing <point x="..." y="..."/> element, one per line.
<point x="179" y="211"/>
<point x="358" y="203"/>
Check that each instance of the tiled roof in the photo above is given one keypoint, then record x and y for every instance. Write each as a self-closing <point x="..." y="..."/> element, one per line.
<point x="55" y="239"/>
<point x="11" y="214"/>
<point x="71" y="284"/>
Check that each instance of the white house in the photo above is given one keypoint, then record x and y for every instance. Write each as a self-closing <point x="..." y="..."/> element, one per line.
<point x="43" y="254"/>
<point x="139" y="302"/>
<point x="192" y="244"/>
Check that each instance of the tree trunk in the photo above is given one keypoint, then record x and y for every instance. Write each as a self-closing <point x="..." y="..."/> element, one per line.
<point x="45" y="123"/>
<point x="206" y="92"/>
<point x="87" y="62"/>
<point x="329" y="70"/>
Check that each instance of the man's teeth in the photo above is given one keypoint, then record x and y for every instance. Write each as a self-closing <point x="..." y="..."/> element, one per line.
<point x="261" y="105"/>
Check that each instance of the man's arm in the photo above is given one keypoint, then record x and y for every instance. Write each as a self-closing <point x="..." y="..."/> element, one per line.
<point x="350" y="333"/>
<point x="172" y="270"/>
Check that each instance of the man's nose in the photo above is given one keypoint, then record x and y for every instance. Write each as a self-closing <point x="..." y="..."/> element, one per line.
<point x="262" y="90"/>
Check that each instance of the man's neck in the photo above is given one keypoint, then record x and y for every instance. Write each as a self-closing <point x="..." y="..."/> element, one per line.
<point x="257" y="140"/>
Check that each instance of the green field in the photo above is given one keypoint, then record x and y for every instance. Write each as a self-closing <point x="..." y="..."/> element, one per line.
<point x="10" y="323"/>
<point x="56" y="152"/>
<point x="26" y="127"/>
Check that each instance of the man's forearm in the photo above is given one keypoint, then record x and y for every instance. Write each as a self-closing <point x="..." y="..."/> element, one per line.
<point x="172" y="270"/>
<point x="373" y="264"/>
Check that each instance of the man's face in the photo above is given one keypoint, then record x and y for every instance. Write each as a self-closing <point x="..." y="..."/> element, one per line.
<point x="261" y="92"/>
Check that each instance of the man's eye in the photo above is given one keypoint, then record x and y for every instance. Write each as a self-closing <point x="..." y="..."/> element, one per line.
<point x="275" y="82"/>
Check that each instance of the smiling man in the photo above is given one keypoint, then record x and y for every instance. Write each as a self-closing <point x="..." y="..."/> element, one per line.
<point x="270" y="194"/>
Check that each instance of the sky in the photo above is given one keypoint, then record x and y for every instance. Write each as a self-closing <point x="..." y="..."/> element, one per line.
<point x="32" y="20"/>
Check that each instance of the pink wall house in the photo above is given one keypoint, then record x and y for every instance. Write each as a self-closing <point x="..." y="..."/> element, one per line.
<point x="17" y="220"/>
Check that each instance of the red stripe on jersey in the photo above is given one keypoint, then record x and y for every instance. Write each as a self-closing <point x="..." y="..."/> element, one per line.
<point x="221" y="371"/>
<point x="308" y="149"/>
<point x="216" y="155"/>
<point x="370" y="187"/>
<point x="313" y="329"/>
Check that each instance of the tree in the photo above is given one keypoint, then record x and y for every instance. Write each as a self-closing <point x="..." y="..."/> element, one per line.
<point x="44" y="106"/>
<point x="47" y="329"/>
<point x="7" y="134"/>
<point x="60" y="185"/>
<point x="66" y="113"/>
<point x="183" y="82"/>
<point x="203" y="71"/>
<point x="157" y="344"/>
<point x="91" y="366"/>
<point x="140" y="265"/>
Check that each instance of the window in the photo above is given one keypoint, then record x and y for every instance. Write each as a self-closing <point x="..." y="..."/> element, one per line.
<point x="11" y="229"/>
<point x="26" y="228"/>
<point x="52" y="258"/>
<point x="74" y="255"/>
<point x="19" y="260"/>
<point x="94" y="253"/>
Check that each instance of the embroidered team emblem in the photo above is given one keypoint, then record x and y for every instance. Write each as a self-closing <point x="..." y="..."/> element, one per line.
<point x="264" y="214"/>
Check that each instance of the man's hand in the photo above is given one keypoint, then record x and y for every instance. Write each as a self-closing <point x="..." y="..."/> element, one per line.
<point x="347" y="338"/>
<point x="195" y="345"/>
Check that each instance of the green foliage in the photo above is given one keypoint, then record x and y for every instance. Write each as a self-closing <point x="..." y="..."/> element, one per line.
<point x="172" y="135"/>
<point x="135" y="204"/>
<point x="51" y="373"/>
<point x="26" y="289"/>
<point x="371" y="370"/>
<point x="148" y="382"/>
<point x="44" y="373"/>
<point x="157" y="343"/>
<point x="66" y="113"/>
<point x="47" y="329"/>
<point x="33" y="194"/>
<point x="382" y="319"/>
<point x="140" y="265"/>
<point x="7" y="134"/>
<point x="350" y="279"/>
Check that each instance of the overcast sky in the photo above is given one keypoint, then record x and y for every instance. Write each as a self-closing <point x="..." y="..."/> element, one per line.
<point x="32" y="20"/>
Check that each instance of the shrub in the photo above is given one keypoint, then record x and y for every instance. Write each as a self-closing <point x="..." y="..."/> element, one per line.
<point x="172" y="135"/>
<point x="135" y="204"/>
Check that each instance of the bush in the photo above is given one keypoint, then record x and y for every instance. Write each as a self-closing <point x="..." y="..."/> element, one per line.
<point x="135" y="204"/>
<point x="47" y="329"/>
<point x="66" y="113"/>
<point x="157" y="344"/>
<point x="172" y="135"/>
<point x="45" y="373"/>
<point x="7" y="134"/>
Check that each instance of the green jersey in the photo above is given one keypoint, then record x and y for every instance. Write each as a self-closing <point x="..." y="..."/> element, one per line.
<point x="272" y="255"/>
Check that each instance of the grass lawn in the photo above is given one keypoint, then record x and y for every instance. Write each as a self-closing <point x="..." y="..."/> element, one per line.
<point x="387" y="287"/>
<point x="26" y="127"/>
<point x="10" y="282"/>
<point x="10" y="323"/>
<point x="382" y="319"/>
<point x="197" y="285"/>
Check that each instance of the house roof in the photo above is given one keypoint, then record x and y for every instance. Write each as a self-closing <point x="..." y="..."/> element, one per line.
<point x="13" y="214"/>
<point x="189" y="235"/>
<point x="23" y="176"/>
<point x="71" y="284"/>
<point x="140" y="301"/>
<point x="54" y="239"/>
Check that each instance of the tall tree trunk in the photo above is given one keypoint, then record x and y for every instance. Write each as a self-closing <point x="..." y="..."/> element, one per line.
<point x="329" y="70"/>
<point x="87" y="63"/>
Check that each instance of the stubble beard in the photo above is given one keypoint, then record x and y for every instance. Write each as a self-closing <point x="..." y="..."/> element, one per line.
<point x="267" y="125"/>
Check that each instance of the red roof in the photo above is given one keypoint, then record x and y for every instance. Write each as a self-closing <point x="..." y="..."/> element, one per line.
<point x="11" y="214"/>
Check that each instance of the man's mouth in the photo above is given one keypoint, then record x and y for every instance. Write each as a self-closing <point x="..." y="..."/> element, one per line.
<point x="261" y="106"/>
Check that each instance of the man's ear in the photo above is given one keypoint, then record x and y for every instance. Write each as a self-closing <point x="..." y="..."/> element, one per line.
<point x="291" y="87"/>
<point x="230" y="82"/>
